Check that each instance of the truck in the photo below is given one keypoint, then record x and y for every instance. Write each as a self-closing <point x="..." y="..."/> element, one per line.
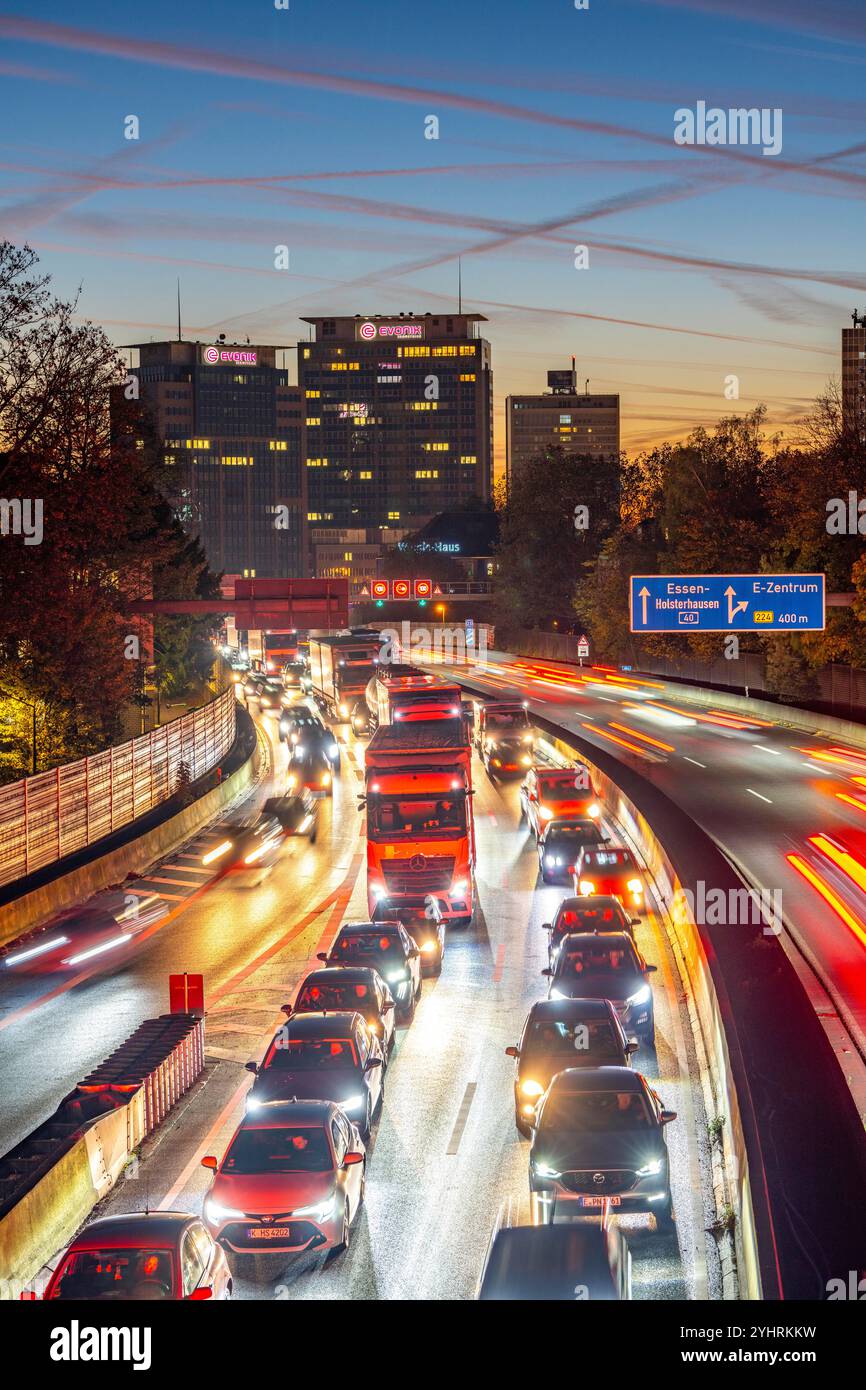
<point x="504" y="736"/>
<point x="340" y="668"/>
<point x="420" y="826"/>
<point x="406" y="692"/>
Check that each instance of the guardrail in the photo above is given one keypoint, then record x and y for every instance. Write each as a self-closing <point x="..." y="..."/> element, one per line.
<point x="46" y="817"/>
<point x="52" y="1180"/>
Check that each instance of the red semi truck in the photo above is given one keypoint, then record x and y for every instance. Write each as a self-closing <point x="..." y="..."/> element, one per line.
<point x="420" y="827"/>
<point x="405" y="692"/>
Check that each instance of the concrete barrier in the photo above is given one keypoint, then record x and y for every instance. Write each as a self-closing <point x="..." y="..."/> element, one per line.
<point x="132" y="858"/>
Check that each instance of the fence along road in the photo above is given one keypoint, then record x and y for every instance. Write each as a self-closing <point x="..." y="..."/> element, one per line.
<point x="55" y="813"/>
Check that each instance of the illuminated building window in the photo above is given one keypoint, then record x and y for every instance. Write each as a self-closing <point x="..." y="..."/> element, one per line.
<point x="393" y="516"/>
<point x="317" y="463"/>
<point x="468" y="458"/>
<point x="249" y="574"/>
<point x="422" y="405"/>
<point x="279" y="444"/>
<point x="426" y="473"/>
<point x="437" y="448"/>
<point x="413" y="352"/>
<point x="445" y="351"/>
<point x="237" y="461"/>
<point x="314" y="420"/>
<point x="466" y="350"/>
<point x="306" y="352"/>
<point x="170" y="458"/>
<point x="312" y="395"/>
<point x="347" y="554"/>
<point x="365" y="474"/>
<point x="320" y="516"/>
<point x="467" y="376"/>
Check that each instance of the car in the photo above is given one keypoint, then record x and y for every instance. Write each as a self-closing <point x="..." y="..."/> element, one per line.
<point x="310" y="768"/>
<point x="299" y="725"/>
<point x="248" y="841"/>
<point x="271" y="694"/>
<point x="564" y="1263"/>
<point x="100" y="930"/>
<point x="253" y="684"/>
<point x="560" y="1033"/>
<point x="349" y="989"/>
<point x="425" y="924"/>
<point x="292" y="1180"/>
<point x="609" y="869"/>
<point x="389" y="948"/>
<point x="559" y="843"/>
<point x="297" y="812"/>
<point x="598" y="1143"/>
<point x="323" y="1057"/>
<point x="294" y="676"/>
<point x="158" y="1255"/>
<point x="596" y="965"/>
<point x="595" y="913"/>
<point x="548" y="793"/>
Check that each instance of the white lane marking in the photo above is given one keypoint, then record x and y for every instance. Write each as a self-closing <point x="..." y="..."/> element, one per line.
<point x="693" y="760"/>
<point x="607" y="699"/>
<point x="776" y="752"/>
<point x="462" y="1117"/>
<point x="759" y="796"/>
<point x="823" y="770"/>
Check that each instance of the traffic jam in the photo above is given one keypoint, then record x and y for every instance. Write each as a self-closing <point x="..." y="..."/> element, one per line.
<point x="291" y="1181"/>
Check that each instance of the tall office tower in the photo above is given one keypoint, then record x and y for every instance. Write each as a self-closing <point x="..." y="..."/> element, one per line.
<point x="398" y="416"/>
<point x="581" y="423"/>
<point x="229" y="423"/>
<point x="854" y="375"/>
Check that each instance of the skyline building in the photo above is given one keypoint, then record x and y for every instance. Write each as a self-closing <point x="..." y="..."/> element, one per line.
<point x="580" y="423"/>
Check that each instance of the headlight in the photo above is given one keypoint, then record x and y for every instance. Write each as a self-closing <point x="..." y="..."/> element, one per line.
<point x="396" y="976"/>
<point x="594" y="810"/>
<point x="428" y="946"/>
<point x="527" y="738"/>
<point x="545" y="813"/>
<point x="255" y="854"/>
<point x="319" y="1211"/>
<point x="378" y="890"/>
<point x="352" y="1103"/>
<point x="554" y="860"/>
<point x="458" y="888"/>
<point x="326" y="779"/>
<point x="332" y="750"/>
<point x="299" y="748"/>
<point x="642" y="996"/>
<point x="557" y="994"/>
<point x="216" y="1213"/>
<point x="586" y="887"/>
<point x="526" y="760"/>
<point x="650" y="1169"/>
<point x="543" y="1171"/>
<point x="344" y="710"/>
<point x="634" y="885"/>
<point x="531" y="1088"/>
<point x="264" y="703"/>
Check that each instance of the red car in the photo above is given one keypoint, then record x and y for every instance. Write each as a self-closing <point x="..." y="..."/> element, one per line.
<point x="142" y="1256"/>
<point x="608" y="870"/>
<point x="292" y="1180"/>
<point x="549" y="793"/>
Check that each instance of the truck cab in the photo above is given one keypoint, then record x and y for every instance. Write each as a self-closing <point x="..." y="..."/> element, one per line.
<point x="504" y="737"/>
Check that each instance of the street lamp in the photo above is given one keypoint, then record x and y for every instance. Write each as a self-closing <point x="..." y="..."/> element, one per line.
<point x="440" y="609"/>
<point x="8" y="696"/>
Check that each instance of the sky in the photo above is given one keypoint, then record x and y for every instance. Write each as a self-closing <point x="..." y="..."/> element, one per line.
<point x="305" y="127"/>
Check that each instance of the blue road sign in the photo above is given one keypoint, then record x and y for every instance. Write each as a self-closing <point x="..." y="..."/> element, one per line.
<point x="727" y="602"/>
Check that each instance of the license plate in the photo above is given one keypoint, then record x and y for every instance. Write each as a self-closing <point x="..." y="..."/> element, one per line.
<point x="267" y="1232"/>
<point x="598" y="1201"/>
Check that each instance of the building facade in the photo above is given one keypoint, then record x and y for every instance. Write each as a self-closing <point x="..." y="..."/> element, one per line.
<point x="580" y="423"/>
<point x="230" y="429"/>
<point x="854" y="376"/>
<point x="398" y="418"/>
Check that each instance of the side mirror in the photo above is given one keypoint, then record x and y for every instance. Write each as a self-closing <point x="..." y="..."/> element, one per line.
<point x="512" y="1051"/>
<point x="321" y="955"/>
<point x="547" y="926"/>
<point x="253" y="1067"/>
<point x="549" y="973"/>
<point x="666" y="1116"/>
<point x="631" y="1047"/>
<point x="352" y="1157"/>
<point x="286" y="1009"/>
<point x="387" y="1006"/>
<point x="209" y="1162"/>
<point x="199" y="1295"/>
<point x="373" y="1063"/>
<point x="650" y="969"/>
<point x="634" y="921"/>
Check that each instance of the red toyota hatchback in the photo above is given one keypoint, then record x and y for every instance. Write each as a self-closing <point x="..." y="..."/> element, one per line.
<point x="142" y="1256"/>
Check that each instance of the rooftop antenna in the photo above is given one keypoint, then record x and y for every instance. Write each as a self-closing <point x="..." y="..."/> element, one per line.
<point x="586" y="387"/>
<point x="459" y="285"/>
<point x="179" y="335"/>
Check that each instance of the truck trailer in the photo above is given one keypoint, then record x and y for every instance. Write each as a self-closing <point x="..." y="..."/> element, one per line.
<point x="340" y="668"/>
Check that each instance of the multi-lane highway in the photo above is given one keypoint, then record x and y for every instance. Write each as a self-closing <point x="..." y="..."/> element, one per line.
<point x="786" y="806"/>
<point x="445" y="1159"/>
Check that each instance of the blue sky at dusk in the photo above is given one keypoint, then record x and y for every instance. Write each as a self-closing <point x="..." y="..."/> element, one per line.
<point x="305" y="127"/>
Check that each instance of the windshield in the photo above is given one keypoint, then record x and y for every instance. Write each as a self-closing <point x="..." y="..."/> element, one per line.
<point x="117" y="1274"/>
<point x="344" y="997"/>
<point x="593" y="1112"/>
<point x="565" y="786"/>
<point x="507" y="722"/>
<point x="310" y="1054"/>
<point x="384" y="949"/>
<point x="594" y="1037"/>
<point x="608" y="858"/>
<point x="572" y="835"/>
<point x="279" y="1151"/>
<point x="612" y="959"/>
<point x="395" y="817"/>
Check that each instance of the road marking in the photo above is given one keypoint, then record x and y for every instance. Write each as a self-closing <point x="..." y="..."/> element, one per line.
<point x="157" y="878"/>
<point x="500" y="961"/>
<point x="776" y="752"/>
<point x="823" y="770"/>
<point x="759" y="796"/>
<point x="462" y="1117"/>
<point x="694" y="760"/>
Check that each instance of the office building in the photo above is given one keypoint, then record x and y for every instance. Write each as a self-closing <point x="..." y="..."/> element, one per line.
<point x="854" y="375"/>
<point x="581" y="423"/>
<point x="229" y="426"/>
<point x="398" y="417"/>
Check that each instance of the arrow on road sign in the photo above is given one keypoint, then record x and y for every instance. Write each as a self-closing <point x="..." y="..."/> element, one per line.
<point x="644" y="595"/>
<point x="733" y="608"/>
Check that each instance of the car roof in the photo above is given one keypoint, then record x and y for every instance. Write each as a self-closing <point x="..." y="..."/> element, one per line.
<point x="360" y="974"/>
<point x="574" y="1079"/>
<point x="286" y="1114"/>
<point x="159" y="1228"/>
<point x="568" y="1010"/>
<point x="607" y="849"/>
<point x="589" y="900"/>
<point x="332" y="1025"/>
<point x="609" y="939"/>
<point x="377" y="928"/>
<point x="572" y="823"/>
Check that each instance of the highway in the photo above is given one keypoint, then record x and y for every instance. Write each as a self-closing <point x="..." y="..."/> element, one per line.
<point x="763" y="791"/>
<point x="446" y="1161"/>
